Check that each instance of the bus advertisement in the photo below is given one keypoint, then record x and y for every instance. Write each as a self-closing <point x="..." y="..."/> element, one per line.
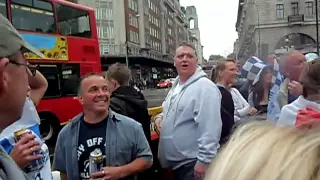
<point x="66" y="34"/>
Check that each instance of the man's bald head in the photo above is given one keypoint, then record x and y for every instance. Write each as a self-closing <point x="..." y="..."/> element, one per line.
<point x="295" y="56"/>
<point x="293" y="64"/>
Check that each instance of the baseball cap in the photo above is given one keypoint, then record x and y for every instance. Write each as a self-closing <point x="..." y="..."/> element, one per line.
<point x="11" y="41"/>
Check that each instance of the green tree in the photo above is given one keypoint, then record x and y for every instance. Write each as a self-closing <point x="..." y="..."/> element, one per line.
<point x="215" y="57"/>
<point x="231" y="55"/>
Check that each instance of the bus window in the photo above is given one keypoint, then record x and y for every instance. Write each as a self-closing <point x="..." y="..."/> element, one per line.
<point x="3" y="9"/>
<point x="51" y="73"/>
<point x="33" y="15"/>
<point x="73" y="22"/>
<point x="70" y="79"/>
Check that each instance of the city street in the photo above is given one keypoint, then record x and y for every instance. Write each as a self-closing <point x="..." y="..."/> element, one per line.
<point x="155" y="97"/>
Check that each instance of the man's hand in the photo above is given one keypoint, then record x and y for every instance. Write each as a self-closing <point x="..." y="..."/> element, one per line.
<point x="22" y="151"/>
<point x="108" y="173"/>
<point x="295" y="88"/>
<point x="200" y="170"/>
<point x="158" y="125"/>
<point x="253" y="111"/>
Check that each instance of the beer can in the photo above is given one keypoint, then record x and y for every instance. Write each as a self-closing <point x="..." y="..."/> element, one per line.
<point x="35" y="165"/>
<point x="18" y="134"/>
<point x="95" y="161"/>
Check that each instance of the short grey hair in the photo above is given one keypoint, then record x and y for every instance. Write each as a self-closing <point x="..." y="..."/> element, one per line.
<point x="185" y="44"/>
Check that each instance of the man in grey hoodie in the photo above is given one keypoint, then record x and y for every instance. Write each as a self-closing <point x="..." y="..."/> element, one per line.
<point x="191" y="120"/>
<point x="13" y="90"/>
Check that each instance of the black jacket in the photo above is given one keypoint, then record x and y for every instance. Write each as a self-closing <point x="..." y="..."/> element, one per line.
<point x="127" y="101"/>
<point x="227" y="114"/>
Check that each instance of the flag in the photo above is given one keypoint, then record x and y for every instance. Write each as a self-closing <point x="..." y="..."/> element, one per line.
<point x="299" y="112"/>
<point x="273" y="105"/>
<point x="251" y="68"/>
<point x="307" y="117"/>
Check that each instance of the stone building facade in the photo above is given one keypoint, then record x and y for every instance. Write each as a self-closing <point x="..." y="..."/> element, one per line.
<point x="275" y="26"/>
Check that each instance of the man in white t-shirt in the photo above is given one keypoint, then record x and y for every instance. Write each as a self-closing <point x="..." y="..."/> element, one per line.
<point x="13" y="90"/>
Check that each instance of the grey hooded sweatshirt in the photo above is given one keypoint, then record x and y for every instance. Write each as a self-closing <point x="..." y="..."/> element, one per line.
<point x="192" y="124"/>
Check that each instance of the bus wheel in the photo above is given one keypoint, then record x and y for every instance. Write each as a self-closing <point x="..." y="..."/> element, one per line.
<point x="49" y="128"/>
<point x="46" y="130"/>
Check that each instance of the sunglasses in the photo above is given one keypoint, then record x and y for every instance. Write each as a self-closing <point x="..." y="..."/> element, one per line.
<point x="29" y="67"/>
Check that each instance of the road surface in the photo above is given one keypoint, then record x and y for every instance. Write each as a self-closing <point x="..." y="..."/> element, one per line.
<point x="155" y="97"/>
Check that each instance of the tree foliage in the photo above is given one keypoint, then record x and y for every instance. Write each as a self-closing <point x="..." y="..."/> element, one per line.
<point x="215" y="57"/>
<point x="231" y="55"/>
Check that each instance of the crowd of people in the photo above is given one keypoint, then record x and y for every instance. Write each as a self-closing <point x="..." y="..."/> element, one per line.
<point x="208" y="129"/>
<point x="211" y="122"/>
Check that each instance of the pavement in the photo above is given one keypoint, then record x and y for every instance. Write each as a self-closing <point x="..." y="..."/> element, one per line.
<point x="155" y="97"/>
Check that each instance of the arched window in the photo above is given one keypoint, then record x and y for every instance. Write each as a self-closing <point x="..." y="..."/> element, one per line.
<point x="191" y="23"/>
<point x="295" y="40"/>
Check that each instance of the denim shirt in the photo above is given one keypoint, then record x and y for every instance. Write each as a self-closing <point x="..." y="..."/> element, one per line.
<point x="125" y="142"/>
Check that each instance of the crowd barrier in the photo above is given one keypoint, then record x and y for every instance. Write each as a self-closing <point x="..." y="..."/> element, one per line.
<point x="153" y="112"/>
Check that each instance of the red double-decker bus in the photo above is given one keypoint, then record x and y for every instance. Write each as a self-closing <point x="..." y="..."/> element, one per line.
<point x="66" y="34"/>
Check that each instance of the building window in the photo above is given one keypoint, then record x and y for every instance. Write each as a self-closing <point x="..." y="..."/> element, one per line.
<point x="106" y="31"/>
<point x="295" y="8"/>
<point x="133" y="5"/>
<point x="309" y="8"/>
<point x="280" y="11"/>
<point x="104" y="13"/>
<point x="134" y="37"/>
<point x="100" y="32"/>
<point x="133" y="21"/>
<point x="110" y="9"/>
<point x="104" y="49"/>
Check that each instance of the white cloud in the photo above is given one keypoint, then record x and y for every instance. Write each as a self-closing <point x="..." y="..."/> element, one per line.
<point x="217" y="24"/>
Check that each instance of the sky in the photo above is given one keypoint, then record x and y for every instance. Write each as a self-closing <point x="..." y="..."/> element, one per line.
<point x="217" y="19"/>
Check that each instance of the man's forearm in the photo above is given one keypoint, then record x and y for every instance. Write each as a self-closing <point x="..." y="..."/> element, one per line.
<point x="136" y="166"/>
<point x="38" y="85"/>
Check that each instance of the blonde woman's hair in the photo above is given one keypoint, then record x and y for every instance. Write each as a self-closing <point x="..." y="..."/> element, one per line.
<point x="261" y="151"/>
<point x="221" y="66"/>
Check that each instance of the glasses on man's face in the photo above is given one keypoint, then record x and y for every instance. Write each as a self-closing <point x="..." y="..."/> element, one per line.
<point x="29" y="67"/>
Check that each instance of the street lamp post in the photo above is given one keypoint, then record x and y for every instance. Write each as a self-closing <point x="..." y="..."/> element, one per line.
<point x="127" y="49"/>
<point x="287" y="44"/>
<point x="259" y="33"/>
<point x="317" y="26"/>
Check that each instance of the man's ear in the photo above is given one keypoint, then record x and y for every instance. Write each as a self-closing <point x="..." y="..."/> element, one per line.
<point x="3" y="74"/>
<point x="80" y="99"/>
<point x="114" y="83"/>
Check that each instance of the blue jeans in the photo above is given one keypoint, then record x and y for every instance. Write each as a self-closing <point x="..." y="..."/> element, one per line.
<point x="185" y="172"/>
